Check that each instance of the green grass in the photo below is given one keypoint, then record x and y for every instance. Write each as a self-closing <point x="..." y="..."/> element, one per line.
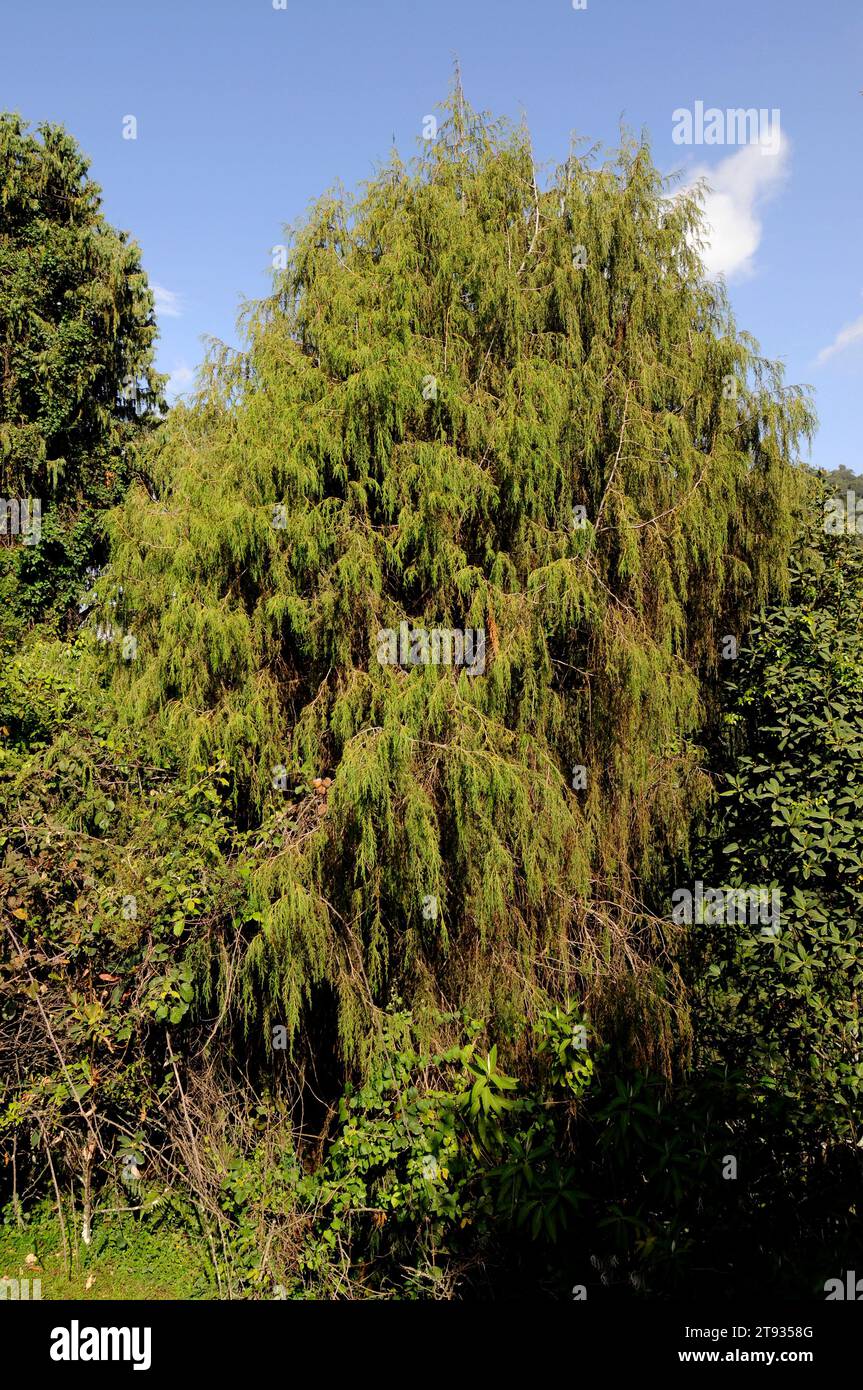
<point x="127" y="1259"/>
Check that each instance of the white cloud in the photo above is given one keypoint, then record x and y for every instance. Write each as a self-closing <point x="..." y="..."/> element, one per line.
<point x="851" y="333"/>
<point x="167" y="302"/>
<point x="737" y="189"/>
<point x="181" y="377"/>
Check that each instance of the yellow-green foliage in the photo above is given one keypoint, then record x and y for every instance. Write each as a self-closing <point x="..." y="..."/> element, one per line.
<point x="620" y="386"/>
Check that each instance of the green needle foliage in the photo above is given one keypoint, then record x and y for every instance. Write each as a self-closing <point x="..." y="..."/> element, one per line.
<point x="76" y="361"/>
<point x="450" y="365"/>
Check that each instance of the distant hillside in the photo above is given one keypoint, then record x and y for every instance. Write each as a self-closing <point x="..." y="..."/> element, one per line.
<point x="841" y="479"/>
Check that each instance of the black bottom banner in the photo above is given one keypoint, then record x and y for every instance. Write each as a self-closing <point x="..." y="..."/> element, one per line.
<point x="82" y="1341"/>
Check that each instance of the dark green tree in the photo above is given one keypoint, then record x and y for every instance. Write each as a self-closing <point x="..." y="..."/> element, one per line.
<point x="784" y="1006"/>
<point x="76" y="363"/>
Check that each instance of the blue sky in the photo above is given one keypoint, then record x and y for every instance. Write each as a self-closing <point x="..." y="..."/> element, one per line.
<point x="245" y="113"/>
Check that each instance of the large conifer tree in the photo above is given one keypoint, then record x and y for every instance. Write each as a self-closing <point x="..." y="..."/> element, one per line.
<point x="480" y="400"/>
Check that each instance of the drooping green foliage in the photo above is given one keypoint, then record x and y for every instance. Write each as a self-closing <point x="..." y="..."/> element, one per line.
<point x="450" y="367"/>
<point x="76" y="347"/>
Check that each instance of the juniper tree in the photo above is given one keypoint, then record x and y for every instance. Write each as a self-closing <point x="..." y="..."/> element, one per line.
<point x="76" y="348"/>
<point x="476" y="399"/>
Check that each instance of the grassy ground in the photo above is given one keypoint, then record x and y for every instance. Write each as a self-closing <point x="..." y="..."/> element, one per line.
<point x="126" y="1260"/>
